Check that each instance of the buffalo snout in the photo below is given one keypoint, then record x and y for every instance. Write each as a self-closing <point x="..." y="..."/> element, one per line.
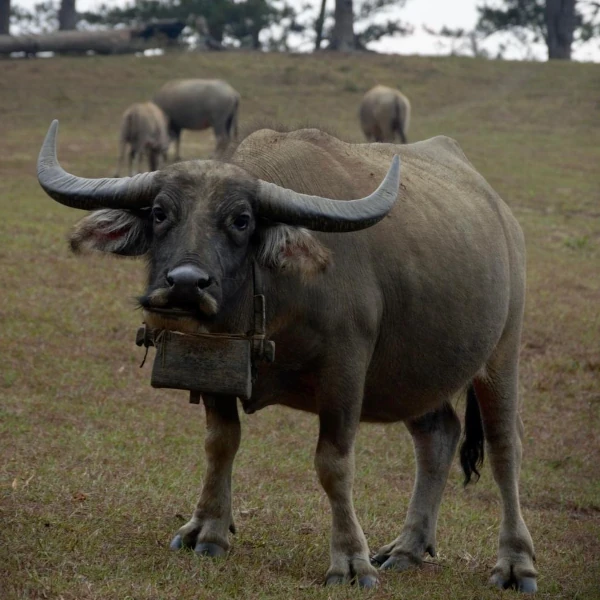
<point x="188" y="279"/>
<point x="190" y="286"/>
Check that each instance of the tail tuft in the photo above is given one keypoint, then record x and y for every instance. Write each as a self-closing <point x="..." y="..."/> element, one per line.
<point x="472" y="447"/>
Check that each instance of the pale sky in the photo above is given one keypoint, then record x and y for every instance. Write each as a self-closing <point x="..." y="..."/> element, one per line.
<point x="433" y="14"/>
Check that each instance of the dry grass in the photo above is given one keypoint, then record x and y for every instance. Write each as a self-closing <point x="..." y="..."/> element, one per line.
<point x="97" y="468"/>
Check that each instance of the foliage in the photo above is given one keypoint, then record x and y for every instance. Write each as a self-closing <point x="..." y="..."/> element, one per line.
<point x="42" y="18"/>
<point x="258" y="24"/>
<point x="227" y="21"/>
<point x="372" y="21"/>
<point x="523" y="17"/>
<point x="525" y="20"/>
<point x="375" y="31"/>
<point x="463" y="41"/>
<point x="589" y="23"/>
<point x="517" y="14"/>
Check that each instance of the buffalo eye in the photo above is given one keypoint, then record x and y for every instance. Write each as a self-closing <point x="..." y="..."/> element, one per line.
<point x="158" y="214"/>
<point x="241" y="222"/>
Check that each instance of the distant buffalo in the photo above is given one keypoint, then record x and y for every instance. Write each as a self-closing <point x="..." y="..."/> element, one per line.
<point x="199" y="104"/>
<point x="385" y="114"/>
<point x="144" y="129"/>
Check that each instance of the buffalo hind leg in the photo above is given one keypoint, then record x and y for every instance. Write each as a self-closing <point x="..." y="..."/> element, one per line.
<point x="498" y="401"/>
<point x="435" y="436"/>
<point x="154" y="157"/>
<point x="121" y="159"/>
<point x="207" y="532"/>
<point x="140" y="160"/>
<point x="334" y="462"/>
<point x="222" y="138"/>
<point x="175" y="137"/>
<point x="178" y="147"/>
<point x="131" y="157"/>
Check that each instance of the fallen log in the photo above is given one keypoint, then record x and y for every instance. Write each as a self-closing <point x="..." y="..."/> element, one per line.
<point x="113" y="41"/>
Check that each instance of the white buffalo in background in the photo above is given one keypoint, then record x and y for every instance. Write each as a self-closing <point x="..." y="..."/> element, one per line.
<point x="385" y="115"/>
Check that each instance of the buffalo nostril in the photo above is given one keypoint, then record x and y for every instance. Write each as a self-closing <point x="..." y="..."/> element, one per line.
<point x="204" y="282"/>
<point x="188" y="279"/>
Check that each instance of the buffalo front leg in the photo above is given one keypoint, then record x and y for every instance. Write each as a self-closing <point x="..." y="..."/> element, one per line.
<point x="435" y="436"/>
<point x="130" y="159"/>
<point x="222" y="140"/>
<point x="334" y="462"/>
<point x="498" y="400"/>
<point x="140" y="160"/>
<point x="121" y="159"/>
<point x="207" y="532"/>
<point x="177" y="138"/>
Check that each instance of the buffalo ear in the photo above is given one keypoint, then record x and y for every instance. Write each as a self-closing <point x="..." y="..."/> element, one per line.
<point x="117" y="231"/>
<point x="292" y="249"/>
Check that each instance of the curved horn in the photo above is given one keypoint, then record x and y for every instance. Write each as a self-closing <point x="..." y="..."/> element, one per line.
<point x="323" y="214"/>
<point x="89" y="194"/>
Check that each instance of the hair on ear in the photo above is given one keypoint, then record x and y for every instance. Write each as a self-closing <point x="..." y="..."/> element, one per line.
<point x="114" y="231"/>
<point x="292" y="249"/>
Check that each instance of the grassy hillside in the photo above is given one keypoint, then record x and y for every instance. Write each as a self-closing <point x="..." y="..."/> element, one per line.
<point x="97" y="469"/>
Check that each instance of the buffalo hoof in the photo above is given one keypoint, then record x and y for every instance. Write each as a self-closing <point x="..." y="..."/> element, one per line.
<point x="201" y="548"/>
<point x="176" y="543"/>
<point x="368" y="582"/>
<point x="335" y="580"/>
<point x="399" y="562"/>
<point x="209" y="549"/>
<point x="526" y="585"/>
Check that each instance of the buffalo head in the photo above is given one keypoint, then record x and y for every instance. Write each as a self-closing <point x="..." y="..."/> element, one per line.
<point x="201" y="223"/>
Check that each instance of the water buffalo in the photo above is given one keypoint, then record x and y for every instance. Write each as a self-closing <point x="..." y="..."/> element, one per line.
<point x="199" y="104"/>
<point x="144" y="129"/>
<point x="384" y="114"/>
<point x="383" y="308"/>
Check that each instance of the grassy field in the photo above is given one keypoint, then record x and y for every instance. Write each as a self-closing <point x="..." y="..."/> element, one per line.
<point x="98" y="470"/>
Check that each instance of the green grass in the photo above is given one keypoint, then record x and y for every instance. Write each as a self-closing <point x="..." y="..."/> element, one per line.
<point x="97" y="469"/>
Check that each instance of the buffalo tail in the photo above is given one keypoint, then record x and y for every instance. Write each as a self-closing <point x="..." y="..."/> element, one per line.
<point x="472" y="446"/>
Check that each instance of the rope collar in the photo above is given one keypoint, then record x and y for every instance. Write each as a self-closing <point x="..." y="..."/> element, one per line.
<point x="262" y="349"/>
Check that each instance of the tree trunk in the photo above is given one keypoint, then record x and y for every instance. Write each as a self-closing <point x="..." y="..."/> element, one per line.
<point x="560" y="24"/>
<point x="67" y="15"/>
<point x="256" y="45"/>
<point x="342" y="37"/>
<point x="4" y="17"/>
<point x="318" y="25"/>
